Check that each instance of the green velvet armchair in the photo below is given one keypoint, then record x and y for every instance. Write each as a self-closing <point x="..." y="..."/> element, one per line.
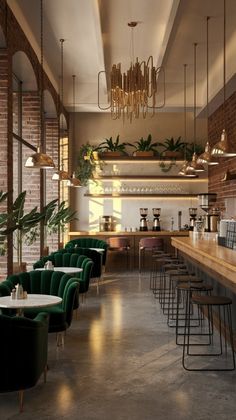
<point x="50" y="283"/>
<point x="23" y="352"/>
<point x="88" y="243"/>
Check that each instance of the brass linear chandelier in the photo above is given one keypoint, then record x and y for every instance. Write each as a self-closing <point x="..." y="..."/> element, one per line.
<point x="135" y="92"/>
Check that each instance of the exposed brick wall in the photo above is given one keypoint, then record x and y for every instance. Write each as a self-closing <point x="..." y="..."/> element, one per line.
<point x="32" y="180"/>
<point x="52" y="189"/>
<point x="224" y="189"/>
<point x="3" y="141"/>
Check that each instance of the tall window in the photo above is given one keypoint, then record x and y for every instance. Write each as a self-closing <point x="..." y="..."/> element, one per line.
<point x="64" y="164"/>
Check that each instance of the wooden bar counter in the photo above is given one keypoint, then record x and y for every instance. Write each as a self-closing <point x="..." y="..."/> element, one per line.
<point x="134" y="238"/>
<point x="217" y="261"/>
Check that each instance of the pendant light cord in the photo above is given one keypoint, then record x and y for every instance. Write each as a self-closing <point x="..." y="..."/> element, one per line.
<point x="41" y="78"/>
<point x="194" y="94"/>
<point x="224" y="64"/>
<point x="185" y="110"/>
<point x="73" y="125"/>
<point x="207" y="69"/>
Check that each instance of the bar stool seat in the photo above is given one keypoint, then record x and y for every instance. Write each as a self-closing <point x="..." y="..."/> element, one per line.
<point x="209" y="302"/>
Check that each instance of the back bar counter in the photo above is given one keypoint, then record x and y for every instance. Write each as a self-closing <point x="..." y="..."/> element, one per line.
<point x="211" y="262"/>
<point x="134" y="237"/>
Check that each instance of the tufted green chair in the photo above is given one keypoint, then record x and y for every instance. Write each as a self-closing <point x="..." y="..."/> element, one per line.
<point x="88" y="243"/>
<point x="48" y="282"/>
<point x="23" y="352"/>
<point x="73" y="258"/>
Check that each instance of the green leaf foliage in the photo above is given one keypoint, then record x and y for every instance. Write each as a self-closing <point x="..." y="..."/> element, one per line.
<point x="174" y="145"/>
<point x="112" y="146"/>
<point x="145" y="145"/>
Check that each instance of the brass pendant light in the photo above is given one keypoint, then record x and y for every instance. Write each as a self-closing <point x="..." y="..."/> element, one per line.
<point x="61" y="175"/>
<point x="185" y="171"/>
<point x="40" y="160"/>
<point x="223" y="148"/>
<point x="73" y="181"/>
<point x="193" y="164"/>
<point x="206" y="158"/>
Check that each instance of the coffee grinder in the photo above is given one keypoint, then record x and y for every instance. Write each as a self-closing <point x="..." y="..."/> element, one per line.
<point x="205" y="202"/>
<point x="156" y="221"/>
<point x="193" y="215"/>
<point x="143" y="220"/>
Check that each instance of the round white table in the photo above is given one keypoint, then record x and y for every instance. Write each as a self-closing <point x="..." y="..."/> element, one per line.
<point x="68" y="270"/>
<point x="32" y="301"/>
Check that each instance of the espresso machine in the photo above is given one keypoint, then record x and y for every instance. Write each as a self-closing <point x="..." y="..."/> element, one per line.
<point x="143" y="220"/>
<point x="193" y="215"/>
<point x="156" y="221"/>
<point x="206" y="201"/>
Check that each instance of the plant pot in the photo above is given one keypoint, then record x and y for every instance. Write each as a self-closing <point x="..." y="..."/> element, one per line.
<point x="111" y="154"/>
<point x="172" y="154"/>
<point x="144" y="153"/>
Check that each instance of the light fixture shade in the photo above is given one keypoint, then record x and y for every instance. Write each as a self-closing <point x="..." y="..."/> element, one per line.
<point x="222" y="148"/>
<point x="197" y="167"/>
<point x="39" y="161"/>
<point x="206" y="158"/>
<point x="60" y="175"/>
<point x="187" y="170"/>
<point x="74" y="182"/>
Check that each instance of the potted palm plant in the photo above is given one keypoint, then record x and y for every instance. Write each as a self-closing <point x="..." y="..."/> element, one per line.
<point x="144" y="147"/>
<point x="59" y="218"/>
<point x="173" y="148"/>
<point x="110" y="148"/>
<point x="24" y="226"/>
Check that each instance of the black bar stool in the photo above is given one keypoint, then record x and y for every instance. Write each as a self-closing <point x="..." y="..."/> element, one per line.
<point x="206" y="304"/>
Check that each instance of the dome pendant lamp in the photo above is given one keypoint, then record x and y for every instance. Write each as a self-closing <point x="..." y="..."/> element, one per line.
<point x="205" y="158"/>
<point x="40" y="160"/>
<point x="223" y="148"/>
<point x="61" y="175"/>
<point x="193" y="164"/>
<point x="184" y="171"/>
<point x="73" y="181"/>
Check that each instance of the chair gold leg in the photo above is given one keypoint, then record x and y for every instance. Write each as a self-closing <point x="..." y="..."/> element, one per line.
<point x="60" y="339"/>
<point x="21" y="399"/>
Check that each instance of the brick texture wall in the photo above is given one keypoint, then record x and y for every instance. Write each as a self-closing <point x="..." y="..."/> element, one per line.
<point x="224" y="189"/>
<point x="32" y="181"/>
<point x="3" y="141"/>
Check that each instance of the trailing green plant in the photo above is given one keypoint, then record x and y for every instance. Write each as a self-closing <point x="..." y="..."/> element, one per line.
<point x="144" y="145"/>
<point x="173" y="145"/>
<point x="112" y="146"/>
<point x="87" y="163"/>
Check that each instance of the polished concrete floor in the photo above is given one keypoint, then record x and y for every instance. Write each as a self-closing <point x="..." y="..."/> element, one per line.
<point x="120" y="362"/>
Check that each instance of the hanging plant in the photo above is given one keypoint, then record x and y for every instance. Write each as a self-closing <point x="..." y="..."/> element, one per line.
<point x="88" y="162"/>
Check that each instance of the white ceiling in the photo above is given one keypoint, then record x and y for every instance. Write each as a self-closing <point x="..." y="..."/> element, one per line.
<point x="96" y="35"/>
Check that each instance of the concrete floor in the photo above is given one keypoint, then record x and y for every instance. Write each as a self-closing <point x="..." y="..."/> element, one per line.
<point x="120" y="362"/>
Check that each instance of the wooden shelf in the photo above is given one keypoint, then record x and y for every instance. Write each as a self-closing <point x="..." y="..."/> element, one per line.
<point x="143" y="177"/>
<point x="142" y="195"/>
<point x="139" y="159"/>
